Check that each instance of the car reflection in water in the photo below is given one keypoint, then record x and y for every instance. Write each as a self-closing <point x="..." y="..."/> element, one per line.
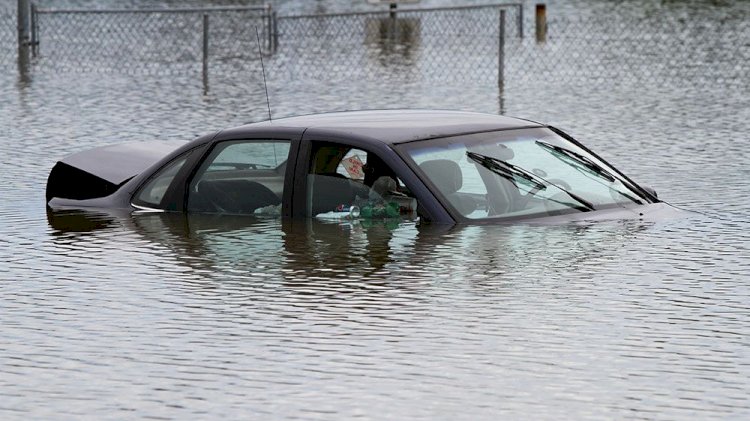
<point x="349" y="256"/>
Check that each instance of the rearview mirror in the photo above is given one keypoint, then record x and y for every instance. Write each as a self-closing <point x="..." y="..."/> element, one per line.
<point x="650" y="190"/>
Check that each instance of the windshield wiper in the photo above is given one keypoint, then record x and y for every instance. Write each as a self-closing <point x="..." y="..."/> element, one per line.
<point x="577" y="160"/>
<point x="517" y="174"/>
<point x="585" y="164"/>
<point x="508" y="170"/>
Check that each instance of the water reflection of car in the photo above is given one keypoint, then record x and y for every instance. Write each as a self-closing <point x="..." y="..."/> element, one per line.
<point x="435" y="166"/>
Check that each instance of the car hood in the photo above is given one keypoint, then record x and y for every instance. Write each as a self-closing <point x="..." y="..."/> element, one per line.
<point x="648" y="212"/>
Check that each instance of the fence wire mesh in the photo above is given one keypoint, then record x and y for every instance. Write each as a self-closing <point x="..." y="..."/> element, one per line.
<point x="454" y="45"/>
<point x="160" y="42"/>
<point x="650" y="50"/>
<point x="8" y="37"/>
<point x="437" y="45"/>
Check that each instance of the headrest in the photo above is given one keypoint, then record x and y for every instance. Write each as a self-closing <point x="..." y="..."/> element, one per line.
<point x="382" y="186"/>
<point x="444" y="173"/>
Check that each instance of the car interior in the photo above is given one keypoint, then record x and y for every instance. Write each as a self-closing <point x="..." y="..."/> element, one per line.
<point x="340" y="177"/>
<point x="241" y="178"/>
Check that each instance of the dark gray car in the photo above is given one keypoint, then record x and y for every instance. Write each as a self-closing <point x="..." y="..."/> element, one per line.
<point x="435" y="166"/>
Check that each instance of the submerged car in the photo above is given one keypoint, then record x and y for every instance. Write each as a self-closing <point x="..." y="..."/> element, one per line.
<point x="444" y="167"/>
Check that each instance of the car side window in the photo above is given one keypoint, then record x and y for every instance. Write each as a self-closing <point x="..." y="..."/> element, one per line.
<point x="341" y="179"/>
<point x="241" y="177"/>
<point x="152" y="193"/>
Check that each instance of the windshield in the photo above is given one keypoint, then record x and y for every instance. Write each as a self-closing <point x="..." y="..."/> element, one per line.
<point x="518" y="173"/>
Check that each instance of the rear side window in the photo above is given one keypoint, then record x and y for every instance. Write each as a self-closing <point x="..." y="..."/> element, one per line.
<point x="152" y="193"/>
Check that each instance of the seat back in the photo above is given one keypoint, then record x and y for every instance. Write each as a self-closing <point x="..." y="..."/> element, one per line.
<point x="236" y="196"/>
<point x="445" y="174"/>
<point x="448" y="178"/>
<point x="328" y="191"/>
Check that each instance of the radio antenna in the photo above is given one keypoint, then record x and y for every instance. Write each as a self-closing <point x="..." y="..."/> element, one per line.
<point x="263" y="68"/>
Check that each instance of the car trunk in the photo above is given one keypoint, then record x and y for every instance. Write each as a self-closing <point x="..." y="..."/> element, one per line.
<point x="101" y="171"/>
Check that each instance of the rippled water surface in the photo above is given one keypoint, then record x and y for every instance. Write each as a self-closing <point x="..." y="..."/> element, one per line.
<point x="166" y="316"/>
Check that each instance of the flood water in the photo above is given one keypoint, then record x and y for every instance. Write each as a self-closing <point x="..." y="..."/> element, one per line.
<point x="167" y="316"/>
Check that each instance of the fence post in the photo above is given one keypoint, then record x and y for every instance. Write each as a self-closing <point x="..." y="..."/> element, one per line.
<point x="520" y="20"/>
<point x="541" y="22"/>
<point x="23" y="39"/>
<point x="269" y="29"/>
<point x="501" y="61"/>
<point x="501" y="52"/>
<point x="205" y="53"/>
<point x="275" y="21"/>
<point x="23" y="23"/>
<point x="34" y="30"/>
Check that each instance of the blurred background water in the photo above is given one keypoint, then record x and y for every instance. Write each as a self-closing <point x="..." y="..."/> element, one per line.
<point x="167" y="316"/>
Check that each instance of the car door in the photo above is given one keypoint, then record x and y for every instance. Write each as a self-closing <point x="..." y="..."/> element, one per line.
<point x="246" y="176"/>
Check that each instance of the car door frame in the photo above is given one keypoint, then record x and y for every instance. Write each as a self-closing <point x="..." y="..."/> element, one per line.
<point x="184" y="178"/>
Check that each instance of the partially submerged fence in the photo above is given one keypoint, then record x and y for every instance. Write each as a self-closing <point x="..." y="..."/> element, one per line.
<point x="438" y="44"/>
<point x="481" y="45"/>
<point x="159" y="40"/>
<point x="463" y="43"/>
<point x="649" y="49"/>
<point x="8" y="49"/>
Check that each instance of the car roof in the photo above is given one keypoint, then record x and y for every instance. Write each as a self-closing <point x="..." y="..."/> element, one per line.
<point x="397" y="126"/>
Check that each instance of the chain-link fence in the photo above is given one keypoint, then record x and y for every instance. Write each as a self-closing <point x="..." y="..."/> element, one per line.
<point x="444" y="45"/>
<point x="455" y="44"/>
<point x="652" y="50"/>
<point x="8" y="37"/>
<point x="449" y="45"/>
<point x="146" y="41"/>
